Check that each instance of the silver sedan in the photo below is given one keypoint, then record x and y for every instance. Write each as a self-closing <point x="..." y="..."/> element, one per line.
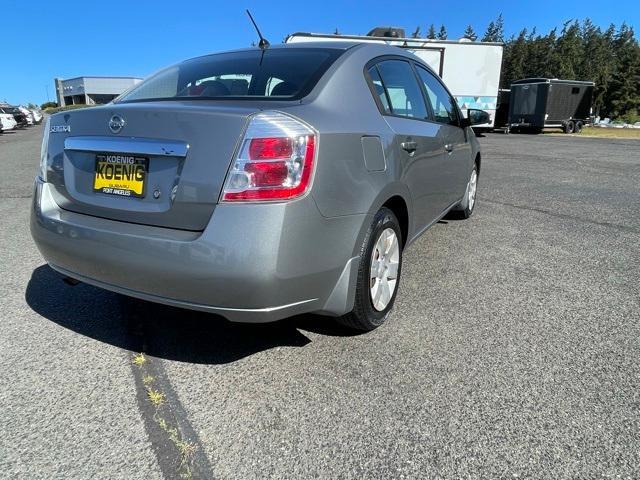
<point x="258" y="184"/>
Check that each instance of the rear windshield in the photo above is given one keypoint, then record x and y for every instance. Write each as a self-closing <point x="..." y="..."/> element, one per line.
<point x="278" y="73"/>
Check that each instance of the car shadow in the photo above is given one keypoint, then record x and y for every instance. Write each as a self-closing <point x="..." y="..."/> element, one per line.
<point x="162" y="331"/>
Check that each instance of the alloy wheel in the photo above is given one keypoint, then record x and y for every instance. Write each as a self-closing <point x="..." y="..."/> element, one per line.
<point x="473" y="185"/>
<point x="383" y="274"/>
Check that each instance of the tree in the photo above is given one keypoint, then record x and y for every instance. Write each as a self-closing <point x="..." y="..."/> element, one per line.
<point x="442" y="34"/>
<point x="431" y="34"/>
<point x="490" y="33"/>
<point x="625" y="81"/>
<point x="499" y="37"/>
<point x="610" y="58"/>
<point x="48" y="105"/>
<point x="495" y="31"/>
<point x="515" y="54"/>
<point x="470" y="33"/>
<point x="416" y="33"/>
<point x="597" y="63"/>
<point x="569" y="51"/>
<point x="534" y="55"/>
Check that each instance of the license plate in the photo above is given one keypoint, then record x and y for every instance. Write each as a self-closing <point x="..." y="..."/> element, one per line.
<point x="121" y="174"/>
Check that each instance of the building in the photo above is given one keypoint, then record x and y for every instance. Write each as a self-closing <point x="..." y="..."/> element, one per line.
<point x="91" y="90"/>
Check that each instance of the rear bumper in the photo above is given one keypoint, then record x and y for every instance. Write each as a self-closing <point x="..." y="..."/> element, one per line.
<point x="252" y="263"/>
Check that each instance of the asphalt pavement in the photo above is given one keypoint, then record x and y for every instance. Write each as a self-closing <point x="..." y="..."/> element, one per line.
<point x="513" y="350"/>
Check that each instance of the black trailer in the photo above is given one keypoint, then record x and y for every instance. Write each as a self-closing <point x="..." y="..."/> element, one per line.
<point x="537" y="103"/>
<point x="501" y="120"/>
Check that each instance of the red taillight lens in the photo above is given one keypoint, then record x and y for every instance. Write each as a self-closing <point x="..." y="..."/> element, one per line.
<point x="276" y="166"/>
<point x="270" y="148"/>
<point x="268" y="174"/>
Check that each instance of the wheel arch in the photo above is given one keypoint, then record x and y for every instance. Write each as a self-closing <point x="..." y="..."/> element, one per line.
<point x="399" y="207"/>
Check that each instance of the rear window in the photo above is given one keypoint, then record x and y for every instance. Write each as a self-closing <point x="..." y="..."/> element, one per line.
<point x="278" y="73"/>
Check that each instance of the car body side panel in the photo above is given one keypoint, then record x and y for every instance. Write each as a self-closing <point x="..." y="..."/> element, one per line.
<point x="458" y="161"/>
<point x="342" y="109"/>
<point x="425" y="172"/>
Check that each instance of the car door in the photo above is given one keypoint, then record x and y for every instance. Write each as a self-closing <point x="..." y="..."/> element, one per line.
<point x="456" y="144"/>
<point x="416" y="146"/>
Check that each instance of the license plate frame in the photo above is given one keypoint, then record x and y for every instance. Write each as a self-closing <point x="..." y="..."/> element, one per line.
<point x="118" y="174"/>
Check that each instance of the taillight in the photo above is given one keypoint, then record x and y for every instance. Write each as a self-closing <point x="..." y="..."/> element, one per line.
<point x="270" y="148"/>
<point x="274" y="162"/>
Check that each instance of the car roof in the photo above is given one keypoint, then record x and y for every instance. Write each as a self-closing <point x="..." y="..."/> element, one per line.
<point x="338" y="45"/>
<point x="376" y="48"/>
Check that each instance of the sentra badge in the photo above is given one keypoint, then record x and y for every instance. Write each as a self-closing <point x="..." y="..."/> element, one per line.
<point x="60" y="129"/>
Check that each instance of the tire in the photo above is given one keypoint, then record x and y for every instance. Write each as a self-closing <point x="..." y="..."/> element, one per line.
<point x="578" y="127"/>
<point x="569" y="127"/>
<point x="464" y="209"/>
<point x="368" y="312"/>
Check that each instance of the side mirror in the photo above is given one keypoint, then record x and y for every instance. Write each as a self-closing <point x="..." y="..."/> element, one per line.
<point x="477" y="117"/>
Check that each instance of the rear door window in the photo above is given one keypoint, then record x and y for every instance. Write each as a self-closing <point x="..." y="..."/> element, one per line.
<point x="379" y="90"/>
<point x="402" y="89"/>
<point x="442" y="104"/>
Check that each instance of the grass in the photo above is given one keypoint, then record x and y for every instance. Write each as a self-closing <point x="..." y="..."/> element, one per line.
<point x="597" y="132"/>
<point x="186" y="450"/>
<point x="139" y="359"/>
<point x="156" y="397"/>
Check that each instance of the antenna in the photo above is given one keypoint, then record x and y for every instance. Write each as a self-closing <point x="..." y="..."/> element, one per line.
<point x="264" y="43"/>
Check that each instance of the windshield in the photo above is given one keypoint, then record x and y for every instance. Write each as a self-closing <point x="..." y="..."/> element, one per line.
<point x="279" y="73"/>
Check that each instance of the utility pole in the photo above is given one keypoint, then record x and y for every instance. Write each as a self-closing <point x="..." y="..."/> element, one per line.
<point x="47" y="87"/>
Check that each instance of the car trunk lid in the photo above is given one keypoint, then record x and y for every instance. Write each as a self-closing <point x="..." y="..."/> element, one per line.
<point x="186" y="147"/>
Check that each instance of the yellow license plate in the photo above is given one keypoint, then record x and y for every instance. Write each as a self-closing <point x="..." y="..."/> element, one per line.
<point x="121" y="174"/>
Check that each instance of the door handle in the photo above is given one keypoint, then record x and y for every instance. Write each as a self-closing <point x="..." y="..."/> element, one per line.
<point x="410" y="147"/>
<point x="448" y="147"/>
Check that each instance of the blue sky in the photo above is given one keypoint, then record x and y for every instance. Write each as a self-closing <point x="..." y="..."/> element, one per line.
<point x="46" y="39"/>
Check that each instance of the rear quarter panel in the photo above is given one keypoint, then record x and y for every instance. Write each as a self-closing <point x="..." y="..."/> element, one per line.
<point x="342" y="109"/>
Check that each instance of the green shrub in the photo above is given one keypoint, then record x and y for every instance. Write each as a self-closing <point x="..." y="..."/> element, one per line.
<point x="46" y="105"/>
<point x="631" y="116"/>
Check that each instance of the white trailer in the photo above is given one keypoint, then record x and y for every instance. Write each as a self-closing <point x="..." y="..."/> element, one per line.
<point x="471" y="70"/>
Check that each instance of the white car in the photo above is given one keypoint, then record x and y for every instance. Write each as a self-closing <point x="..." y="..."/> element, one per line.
<point x="28" y="114"/>
<point x="37" y="115"/>
<point x="7" y="122"/>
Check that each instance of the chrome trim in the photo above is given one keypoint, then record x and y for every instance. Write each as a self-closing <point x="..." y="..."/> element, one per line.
<point x="135" y="145"/>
